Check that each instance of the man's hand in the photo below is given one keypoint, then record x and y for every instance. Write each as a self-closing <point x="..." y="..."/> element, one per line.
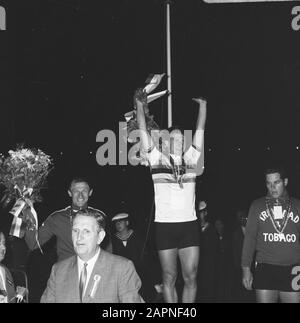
<point x="3" y="299"/>
<point x="141" y="106"/>
<point x="247" y="278"/>
<point x="200" y="100"/>
<point x="140" y="96"/>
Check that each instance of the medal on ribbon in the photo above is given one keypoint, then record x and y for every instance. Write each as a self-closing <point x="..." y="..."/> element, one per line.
<point x="278" y="216"/>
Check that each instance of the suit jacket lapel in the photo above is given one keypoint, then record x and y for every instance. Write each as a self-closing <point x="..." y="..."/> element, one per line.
<point x="10" y="288"/>
<point x="72" y="282"/>
<point x="96" y="275"/>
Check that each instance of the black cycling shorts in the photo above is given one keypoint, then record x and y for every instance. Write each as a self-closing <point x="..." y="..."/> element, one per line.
<point x="177" y="235"/>
<point x="277" y="277"/>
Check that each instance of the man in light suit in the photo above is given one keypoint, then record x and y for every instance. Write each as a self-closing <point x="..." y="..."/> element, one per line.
<point x="7" y="288"/>
<point x="92" y="275"/>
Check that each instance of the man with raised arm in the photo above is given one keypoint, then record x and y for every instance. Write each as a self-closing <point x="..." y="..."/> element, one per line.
<point x="174" y="170"/>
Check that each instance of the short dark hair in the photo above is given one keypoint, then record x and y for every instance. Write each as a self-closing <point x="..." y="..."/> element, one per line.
<point x="276" y="169"/>
<point x="76" y="180"/>
<point x="95" y="214"/>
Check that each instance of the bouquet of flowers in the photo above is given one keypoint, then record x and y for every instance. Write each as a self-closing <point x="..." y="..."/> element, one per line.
<point x="23" y="174"/>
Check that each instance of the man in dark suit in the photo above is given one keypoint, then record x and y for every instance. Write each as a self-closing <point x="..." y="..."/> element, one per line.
<point x="92" y="275"/>
<point x="7" y="288"/>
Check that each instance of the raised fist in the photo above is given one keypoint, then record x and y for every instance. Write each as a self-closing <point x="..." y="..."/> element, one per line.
<point x="140" y="96"/>
<point x="200" y="100"/>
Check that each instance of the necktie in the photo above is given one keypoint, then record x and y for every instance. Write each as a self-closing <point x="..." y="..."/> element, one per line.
<point x="82" y="281"/>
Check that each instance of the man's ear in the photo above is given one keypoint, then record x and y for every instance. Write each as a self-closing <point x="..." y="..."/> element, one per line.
<point x="101" y="236"/>
<point x="286" y="181"/>
<point x="91" y="192"/>
<point x="69" y="193"/>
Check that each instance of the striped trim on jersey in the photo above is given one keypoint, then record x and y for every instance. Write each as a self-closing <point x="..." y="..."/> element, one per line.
<point x="174" y="196"/>
<point x="162" y="168"/>
<point x="172" y="180"/>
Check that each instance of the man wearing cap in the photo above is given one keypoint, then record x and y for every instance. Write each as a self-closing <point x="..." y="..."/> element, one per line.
<point x="92" y="275"/>
<point x="59" y="222"/>
<point x="128" y="243"/>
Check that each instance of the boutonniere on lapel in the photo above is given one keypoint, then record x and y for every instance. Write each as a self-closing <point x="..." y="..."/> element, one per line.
<point x="3" y="296"/>
<point x="95" y="286"/>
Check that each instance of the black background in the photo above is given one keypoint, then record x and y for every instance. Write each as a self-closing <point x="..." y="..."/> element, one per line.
<point x="69" y="69"/>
